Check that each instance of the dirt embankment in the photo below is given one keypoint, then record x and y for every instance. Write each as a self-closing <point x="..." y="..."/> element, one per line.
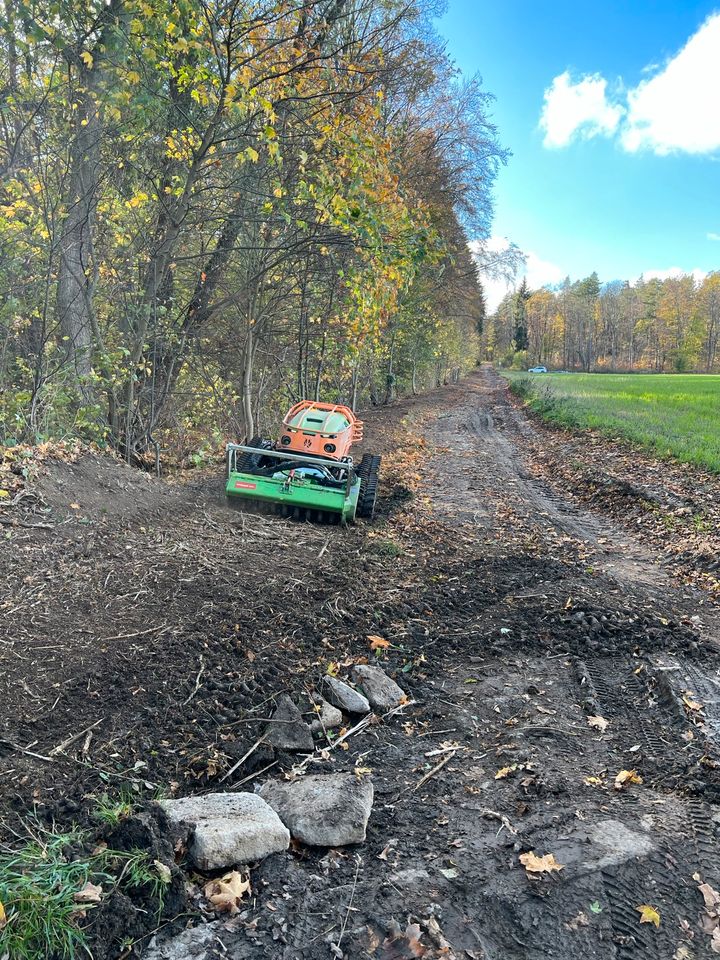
<point x="146" y="634"/>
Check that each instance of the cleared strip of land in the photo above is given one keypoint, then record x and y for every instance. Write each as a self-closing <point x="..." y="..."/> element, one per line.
<point x="673" y="415"/>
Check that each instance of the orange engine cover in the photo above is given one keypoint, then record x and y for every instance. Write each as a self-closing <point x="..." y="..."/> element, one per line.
<point x="322" y="429"/>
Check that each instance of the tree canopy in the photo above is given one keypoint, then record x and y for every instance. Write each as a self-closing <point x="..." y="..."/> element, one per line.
<point x="208" y="209"/>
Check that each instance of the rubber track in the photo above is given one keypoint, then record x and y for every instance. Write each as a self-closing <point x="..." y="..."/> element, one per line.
<point x="368" y="473"/>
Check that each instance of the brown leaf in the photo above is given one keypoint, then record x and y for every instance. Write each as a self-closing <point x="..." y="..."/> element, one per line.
<point x="404" y="945"/>
<point x="90" y="893"/>
<point x="535" y="864"/>
<point x="648" y="914"/>
<point x="690" y="703"/>
<point x="226" y="893"/>
<point x="378" y="643"/>
<point x="625" y="777"/>
<point x="709" y="895"/>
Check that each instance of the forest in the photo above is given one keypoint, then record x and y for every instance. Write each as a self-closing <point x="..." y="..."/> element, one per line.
<point x="653" y="325"/>
<point x="209" y="208"/>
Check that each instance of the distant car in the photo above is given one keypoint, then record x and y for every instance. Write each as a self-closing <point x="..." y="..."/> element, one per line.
<point x="537" y="370"/>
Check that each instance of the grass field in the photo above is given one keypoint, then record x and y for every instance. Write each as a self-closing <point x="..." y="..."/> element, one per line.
<point x="672" y="415"/>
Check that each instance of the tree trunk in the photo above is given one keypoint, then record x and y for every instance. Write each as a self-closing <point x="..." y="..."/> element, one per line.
<point x="247" y="410"/>
<point x="76" y="260"/>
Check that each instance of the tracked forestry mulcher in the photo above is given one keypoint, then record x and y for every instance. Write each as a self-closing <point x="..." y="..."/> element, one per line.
<point x="307" y="473"/>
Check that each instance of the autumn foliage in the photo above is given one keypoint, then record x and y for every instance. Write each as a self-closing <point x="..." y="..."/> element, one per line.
<point x="208" y="209"/>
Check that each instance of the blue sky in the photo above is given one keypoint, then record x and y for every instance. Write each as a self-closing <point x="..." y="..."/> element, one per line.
<point x="612" y="113"/>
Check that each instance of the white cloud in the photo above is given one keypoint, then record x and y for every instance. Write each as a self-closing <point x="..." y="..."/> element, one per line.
<point x="580" y="108"/>
<point x="674" y="272"/>
<point x="677" y="108"/>
<point x="713" y="236"/>
<point x="674" y="109"/>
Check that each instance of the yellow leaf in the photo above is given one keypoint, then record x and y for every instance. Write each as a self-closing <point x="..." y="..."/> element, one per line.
<point x="535" y="864"/>
<point x="3" y="916"/>
<point x="593" y="781"/>
<point x="627" y="776"/>
<point x="600" y="723"/>
<point x="690" y="703"/>
<point x="87" y="59"/>
<point x="252" y="154"/>
<point x="226" y="893"/>
<point x="4" y="493"/>
<point x="504" y="772"/>
<point x="378" y="643"/>
<point x="133" y="76"/>
<point x="648" y="914"/>
<point x="333" y="668"/>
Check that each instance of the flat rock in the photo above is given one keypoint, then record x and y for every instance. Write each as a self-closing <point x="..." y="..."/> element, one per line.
<point x="328" y="810"/>
<point x="287" y="730"/>
<point x="344" y="697"/>
<point x="613" y="844"/>
<point x="382" y="692"/>
<point x="230" y="828"/>
<point x="197" y="943"/>
<point x="328" y="718"/>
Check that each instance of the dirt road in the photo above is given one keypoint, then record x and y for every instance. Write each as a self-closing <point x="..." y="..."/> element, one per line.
<point x="565" y="688"/>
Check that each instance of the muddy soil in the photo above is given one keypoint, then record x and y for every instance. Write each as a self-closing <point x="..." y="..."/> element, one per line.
<point x="145" y="636"/>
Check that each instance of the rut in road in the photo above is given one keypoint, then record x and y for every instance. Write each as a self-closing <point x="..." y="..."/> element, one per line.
<point x="648" y="844"/>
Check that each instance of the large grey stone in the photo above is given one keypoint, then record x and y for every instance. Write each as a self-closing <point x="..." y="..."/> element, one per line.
<point x="287" y="730"/>
<point x="344" y="697"/>
<point x="328" y="718"/>
<point x="382" y="692"/>
<point x="328" y="810"/>
<point x="230" y="828"/>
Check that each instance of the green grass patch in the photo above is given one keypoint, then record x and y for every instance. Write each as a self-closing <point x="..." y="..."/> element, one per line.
<point x="671" y="415"/>
<point x="44" y="893"/>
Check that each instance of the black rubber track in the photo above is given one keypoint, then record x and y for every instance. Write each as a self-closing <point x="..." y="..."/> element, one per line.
<point x="368" y="473"/>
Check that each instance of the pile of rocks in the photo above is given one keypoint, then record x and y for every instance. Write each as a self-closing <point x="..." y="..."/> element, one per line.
<point x="329" y="810"/>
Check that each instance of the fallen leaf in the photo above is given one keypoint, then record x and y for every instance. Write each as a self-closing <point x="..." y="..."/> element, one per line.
<point x="163" y="871"/>
<point x="709" y="895"/>
<point x="378" y="643"/>
<point x="535" y="864"/>
<point x="226" y="893"/>
<point x="595" y="907"/>
<point x="449" y="872"/>
<point x="504" y="772"/>
<point x="690" y="703"/>
<point x="593" y="781"/>
<point x="627" y="776"/>
<point x="90" y="893"/>
<point x="3" y="916"/>
<point x="581" y="920"/>
<point x="4" y="493"/>
<point x="409" y="940"/>
<point x="74" y="506"/>
<point x="600" y="723"/>
<point x="648" y="914"/>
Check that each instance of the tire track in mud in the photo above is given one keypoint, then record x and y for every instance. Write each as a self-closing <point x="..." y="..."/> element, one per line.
<point x="479" y="483"/>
